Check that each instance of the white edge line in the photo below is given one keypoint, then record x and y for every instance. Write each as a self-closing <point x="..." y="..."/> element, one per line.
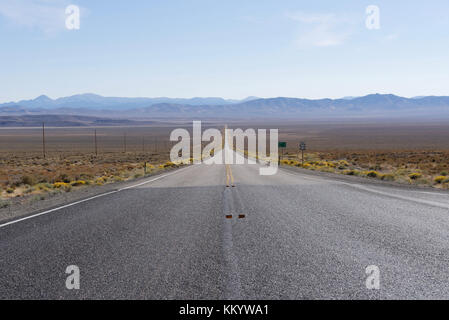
<point x="56" y="209"/>
<point x="88" y="199"/>
<point x="397" y="196"/>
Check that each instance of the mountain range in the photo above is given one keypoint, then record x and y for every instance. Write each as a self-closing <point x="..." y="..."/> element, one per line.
<point x="373" y="105"/>
<point x="94" y="101"/>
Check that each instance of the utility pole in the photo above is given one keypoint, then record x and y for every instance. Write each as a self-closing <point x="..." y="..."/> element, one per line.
<point x="282" y="146"/>
<point x="43" y="139"/>
<point x="143" y="144"/>
<point x="302" y="147"/>
<point x="124" y="141"/>
<point x="95" y="139"/>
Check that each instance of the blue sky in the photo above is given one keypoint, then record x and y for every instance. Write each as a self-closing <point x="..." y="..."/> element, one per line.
<point x="231" y="49"/>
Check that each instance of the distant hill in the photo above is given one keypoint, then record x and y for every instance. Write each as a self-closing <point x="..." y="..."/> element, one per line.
<point x="93" y="101"/>
<point x="368" y="106"/>
<point x="63" y="121"/>
<point x="374" y="105"/>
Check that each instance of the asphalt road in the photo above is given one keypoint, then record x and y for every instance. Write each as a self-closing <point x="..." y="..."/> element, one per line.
<point x="303" y="237"/>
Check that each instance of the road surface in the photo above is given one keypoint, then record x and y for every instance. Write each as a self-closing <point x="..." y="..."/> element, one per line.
<point x="302" y="237"/>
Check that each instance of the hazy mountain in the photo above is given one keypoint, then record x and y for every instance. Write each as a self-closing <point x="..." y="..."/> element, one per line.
<point x="371" y="105"/>
<point x="93" y="101"/>
<point x="374" y="105"/>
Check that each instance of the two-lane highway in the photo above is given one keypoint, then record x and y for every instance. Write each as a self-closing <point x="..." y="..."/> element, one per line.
<point x="298" y="237"/>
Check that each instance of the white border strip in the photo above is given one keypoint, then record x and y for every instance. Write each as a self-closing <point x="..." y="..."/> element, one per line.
<point x="88" y="199"/>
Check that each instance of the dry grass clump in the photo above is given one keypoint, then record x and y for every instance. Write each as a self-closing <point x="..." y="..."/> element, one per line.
<point x="388" y="177"/>
<point x="170" y="164"/>
<point x="415" y="176"/>
<point x="79" y="183"/>
<point x="63" y="186"/>
<point x="440" y="179"/>
<point x="372" y="174"/>
<point x="4" y="204"/>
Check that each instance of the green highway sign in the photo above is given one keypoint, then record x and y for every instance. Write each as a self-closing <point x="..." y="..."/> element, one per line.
<point x="282" y="144"/>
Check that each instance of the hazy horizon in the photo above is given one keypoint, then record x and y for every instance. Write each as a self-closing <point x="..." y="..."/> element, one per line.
<point x="218" y="97"/>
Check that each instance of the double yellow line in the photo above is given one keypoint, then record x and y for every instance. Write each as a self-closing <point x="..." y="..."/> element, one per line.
<point x="229" y="177"/>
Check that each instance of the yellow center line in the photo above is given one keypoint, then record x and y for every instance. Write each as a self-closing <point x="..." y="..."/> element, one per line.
<point x="229" y="176"/>
<point x="232" y="177"/>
